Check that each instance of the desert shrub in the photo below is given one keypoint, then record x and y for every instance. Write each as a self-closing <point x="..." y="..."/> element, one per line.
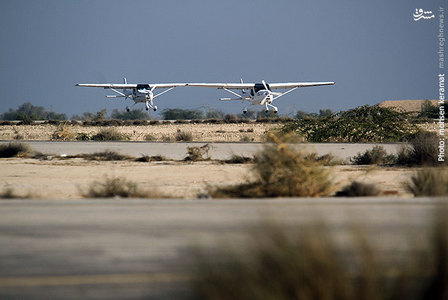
<point x="134" y="114"/>
<point x="8" y="193"/>
<point x="429" y="182"/>
<point x="326" y="159"/>
<point x="167" y="138"/>
<point x="63" y="133"/>
<point x="82" y="136"/>
<point x="230" y="119"/>
<point x="150" y="137"/>
<point x="422" y="150"/>
<point x="281" y="171"/>
<point x="361" y="124"/>
<point x="375" y="156"/>
<point x="198" y="153"/>
<point x="183" y="136"/>
<point x="358" y="189"/>
<point x="182" y="114"/>
<point x="115" y="187"/>
<point x="245" y="139"/>
<point x="14" y="149"/>
<point x="214" y="114"/>
<point x="147" y="158"/>
<point x="308" y="264"/>
<point x="239" y="159"/>
<point x="182" y="121"/>
<point x="106" y="156"/>
<point x="109" y="134"/>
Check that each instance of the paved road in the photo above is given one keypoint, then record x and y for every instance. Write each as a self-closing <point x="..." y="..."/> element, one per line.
<point x="130" y="249"/>
<point x="179" y="150"/>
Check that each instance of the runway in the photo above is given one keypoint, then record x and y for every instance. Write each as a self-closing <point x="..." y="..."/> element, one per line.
<point x="179" y="150"/>
<point x="116" y="249"/>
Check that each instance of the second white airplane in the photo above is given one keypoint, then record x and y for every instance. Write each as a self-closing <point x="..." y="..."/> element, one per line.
<point x="258" y="93"/>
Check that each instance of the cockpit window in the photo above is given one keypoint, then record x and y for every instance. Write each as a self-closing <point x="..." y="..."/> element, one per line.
<point x="143" y="87"/>
<point x="260" y="86"/>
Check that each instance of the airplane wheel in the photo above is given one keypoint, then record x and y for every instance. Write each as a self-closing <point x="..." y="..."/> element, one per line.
<point x="275" y="111"/>
<point x="155" y="108"/>
<point x="128" y="109"/>
<point x="266" y="111"/>
<point x="147" y="109"/>
<point x="244" y="111"/>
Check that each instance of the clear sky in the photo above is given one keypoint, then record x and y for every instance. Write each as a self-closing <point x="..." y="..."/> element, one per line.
<point x="373" y="50"/>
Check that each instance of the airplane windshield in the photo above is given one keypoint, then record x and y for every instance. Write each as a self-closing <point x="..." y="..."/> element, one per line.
<point x="143" y="87"/>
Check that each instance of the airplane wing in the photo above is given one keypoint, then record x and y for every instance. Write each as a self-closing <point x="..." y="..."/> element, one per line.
<point x="286" y="85"/>
<point x="108" y="85"/>
<point x="123" y="86"/>
<point x="224" y="85"/>
<point x="291" y="85"/>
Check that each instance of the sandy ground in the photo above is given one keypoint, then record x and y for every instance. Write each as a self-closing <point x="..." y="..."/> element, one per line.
<point x="200" y="132"/>
<point x="67" y="179"/>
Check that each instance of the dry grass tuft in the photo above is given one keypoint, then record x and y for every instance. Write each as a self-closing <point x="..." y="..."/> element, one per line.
<point x="423" y="150"/>
<point x="239" y="159"/>
<point x="429" y="182"/>
<point x="106" y="156"/>
<point x="118" y="187"/>
<point x="281" y="171"/>
<point x="147" y="158"/>
<point x="359" y="189"/>
<point x="198" y="153"/>
<point x="63" y="133"/>
<point x="182" y="136"/>
<point x="280" y="263"/>
<point x="109" y="134"/>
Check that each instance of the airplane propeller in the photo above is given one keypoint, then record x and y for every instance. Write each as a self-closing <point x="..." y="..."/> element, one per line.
<point x="268" y="90"/>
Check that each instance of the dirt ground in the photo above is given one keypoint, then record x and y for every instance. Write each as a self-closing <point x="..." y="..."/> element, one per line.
<point x="200" y="132"/>
<point x="68" y="179"/>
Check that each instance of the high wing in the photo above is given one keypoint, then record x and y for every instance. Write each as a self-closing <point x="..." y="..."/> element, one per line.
<point x="286" y="85"/>
<point x="291" y="85"/>
<point x="130" y="86"/>
<point x="237" y="86"/>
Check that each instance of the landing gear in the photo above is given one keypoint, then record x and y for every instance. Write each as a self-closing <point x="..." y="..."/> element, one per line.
<point x="245" y="111"/>
<point x="128" y="109"/>
<point x="155" y="108"/>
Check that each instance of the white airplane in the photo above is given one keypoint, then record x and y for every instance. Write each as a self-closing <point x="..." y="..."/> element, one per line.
<point x="140" y="93"/>
<point x="258" y="93"/>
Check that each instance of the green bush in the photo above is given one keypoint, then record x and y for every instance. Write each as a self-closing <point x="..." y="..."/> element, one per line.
<point x="27" y="113"/>
<point x="375" y="156"/>
<point x="362" y="124"/>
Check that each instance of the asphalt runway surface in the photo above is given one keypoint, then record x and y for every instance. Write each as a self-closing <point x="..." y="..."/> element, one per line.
<point x="134" y="249"/>
<point x="179" y="150"/>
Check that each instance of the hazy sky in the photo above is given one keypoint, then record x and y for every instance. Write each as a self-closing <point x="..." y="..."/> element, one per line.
<point x="373" y="50"/>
